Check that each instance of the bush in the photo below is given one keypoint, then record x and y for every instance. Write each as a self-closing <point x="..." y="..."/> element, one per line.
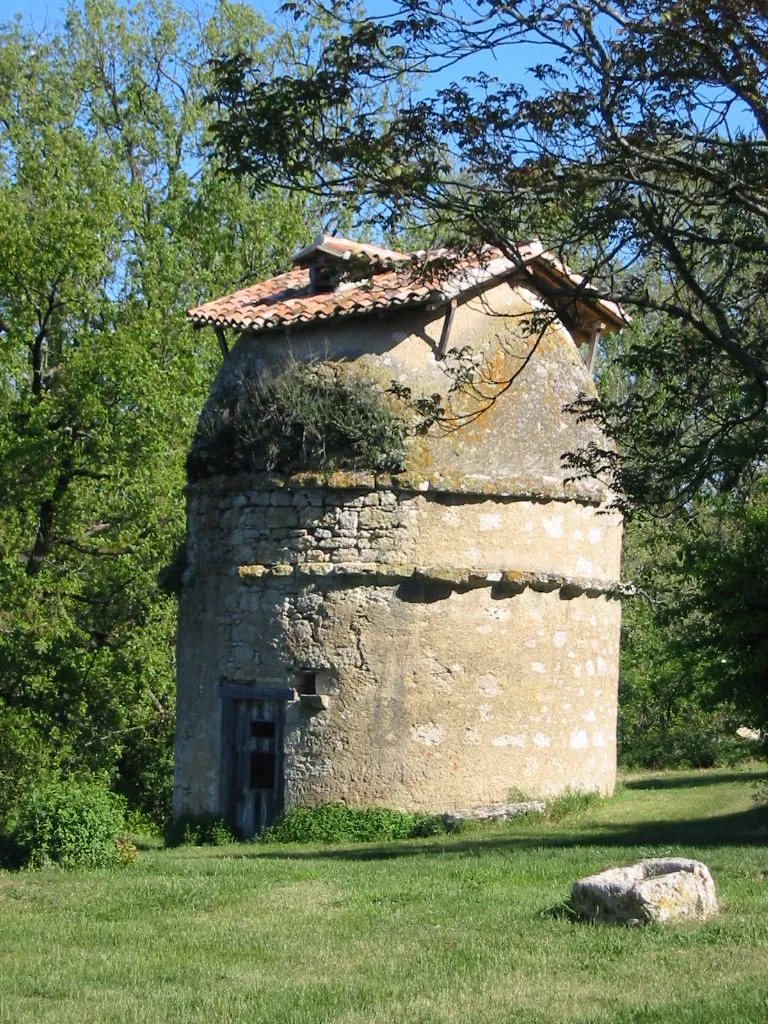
<point x="571" y="802"/>
<point x="69" y="824"/>
<point x="138" y="823"/>
<point x="199" y="830"/>
<point x="306" y="416"/>
<point x="700" y="740"/>
<point x="339" y="823"/>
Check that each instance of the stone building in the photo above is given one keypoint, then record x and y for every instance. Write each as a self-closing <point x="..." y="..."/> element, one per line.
<point x="428" y="639"/>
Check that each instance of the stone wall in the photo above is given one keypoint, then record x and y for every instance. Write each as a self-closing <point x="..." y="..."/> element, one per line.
<point x="512" y="429"/>
<point x="462" y="616"/>
<point x="468" y="644"/>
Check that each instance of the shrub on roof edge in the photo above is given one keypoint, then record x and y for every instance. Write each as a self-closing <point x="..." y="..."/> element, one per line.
<point x="316" y="415"/>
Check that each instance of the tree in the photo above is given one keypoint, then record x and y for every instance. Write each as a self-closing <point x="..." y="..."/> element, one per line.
<point x="694" y="648"/>
<point x="112" y="223"/>
<point x="637" y="150"/>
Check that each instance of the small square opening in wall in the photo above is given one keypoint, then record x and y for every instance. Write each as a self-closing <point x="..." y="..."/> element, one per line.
<point x="306" y="683"/>
<point x="263" y="730"/>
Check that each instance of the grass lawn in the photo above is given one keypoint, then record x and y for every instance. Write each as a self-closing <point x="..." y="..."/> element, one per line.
<point x="464" y="928"/>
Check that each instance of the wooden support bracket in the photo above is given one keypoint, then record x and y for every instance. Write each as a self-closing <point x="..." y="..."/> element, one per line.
<point x="446" y="332"/>
<point x="222" y="340"/>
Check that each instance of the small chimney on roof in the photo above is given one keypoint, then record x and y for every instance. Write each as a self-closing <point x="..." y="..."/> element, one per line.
<point x="328" y="257"/>
<point x="325" y="273"/>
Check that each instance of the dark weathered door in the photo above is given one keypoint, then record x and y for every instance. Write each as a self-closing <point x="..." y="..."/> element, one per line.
<point x="256" y="797"/>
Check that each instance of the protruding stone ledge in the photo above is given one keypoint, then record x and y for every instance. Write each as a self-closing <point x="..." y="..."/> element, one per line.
<point x="504" y="582"/>
<point x="503" y="488"/>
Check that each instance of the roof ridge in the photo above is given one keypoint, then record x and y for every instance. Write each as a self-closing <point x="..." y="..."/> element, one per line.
<point x="393" y="280"/>
<point x="345" y="249"/>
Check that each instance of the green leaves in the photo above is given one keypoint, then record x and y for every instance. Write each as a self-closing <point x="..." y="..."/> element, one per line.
<point x="302" y="416"/>
<point x="69" y="824"/>
<point x="112" y="223"/>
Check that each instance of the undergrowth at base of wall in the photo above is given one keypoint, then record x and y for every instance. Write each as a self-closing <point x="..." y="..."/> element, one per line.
<point x="339" y="823"/>
<point x="199" y="830"/>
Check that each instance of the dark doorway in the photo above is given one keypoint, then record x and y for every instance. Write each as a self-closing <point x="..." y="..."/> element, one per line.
<point x="254" y="740"/>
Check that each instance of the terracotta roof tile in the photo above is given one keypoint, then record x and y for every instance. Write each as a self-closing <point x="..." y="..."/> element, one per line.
<point x="288" y="299"/>
<point x="372" y="280"/>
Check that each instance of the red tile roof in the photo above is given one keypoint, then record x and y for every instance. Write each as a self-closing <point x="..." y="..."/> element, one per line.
<point x="380" y="279"/>
<point x="287" y="299"/>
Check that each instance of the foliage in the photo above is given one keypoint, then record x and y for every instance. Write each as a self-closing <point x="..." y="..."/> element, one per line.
<point x="695" y="738"/>
<point x="694" y="638"/>
<point x="340" y="823"/>
<point x="304" y="415"/>
<point x="571" y="802"/>
<point x="112" y="223"/>
<point x="71" y="824"/>
<point x="634" y="147"/>
<point x="126" y="851"/>
<point x="140" y="824"/>
<point x="199" y="830"/>
<point x="464" y="930"/>
<point x="729" y="554"/>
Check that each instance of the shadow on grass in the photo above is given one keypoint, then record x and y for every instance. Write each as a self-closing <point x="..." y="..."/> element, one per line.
<point x="689" y="780"/>
<point x="746" y="828"/>
<point x="743" y="828"/>
<point x="563" y="912"/>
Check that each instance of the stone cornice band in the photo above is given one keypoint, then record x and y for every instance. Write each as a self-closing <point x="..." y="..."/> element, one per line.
<point x="506" y="489"/>
<point x="507" y="582"/>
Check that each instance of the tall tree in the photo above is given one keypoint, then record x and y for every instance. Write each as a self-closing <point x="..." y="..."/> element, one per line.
<point x="112" y="223"/>
<point x="635" y="146"/>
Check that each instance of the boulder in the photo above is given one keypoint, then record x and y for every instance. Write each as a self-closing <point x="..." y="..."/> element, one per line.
<point x="495" y="812"/>
<point x="659" y="889"/>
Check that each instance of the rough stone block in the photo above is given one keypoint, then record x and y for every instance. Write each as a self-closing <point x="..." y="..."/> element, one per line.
<point x="258" y="498"/>
<point x="281" y="499"/>
<point x="283" y="517"/>
<point x="376" y="518"/>
<point x="655" y="890"/>
<point x="495" y="812"/>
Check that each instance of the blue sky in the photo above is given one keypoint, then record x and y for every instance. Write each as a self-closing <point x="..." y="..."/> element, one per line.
<point x="51" y="12"/>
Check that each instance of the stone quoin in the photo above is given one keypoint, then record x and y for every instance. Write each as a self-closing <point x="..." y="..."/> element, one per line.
<point x="425" y="640"/>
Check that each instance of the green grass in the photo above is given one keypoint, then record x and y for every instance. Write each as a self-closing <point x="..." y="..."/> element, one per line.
<point x="464" y="928"/>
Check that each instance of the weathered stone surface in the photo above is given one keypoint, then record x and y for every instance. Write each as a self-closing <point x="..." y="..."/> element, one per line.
<point x="655" y="890"/>
<point x="457" y="576"/>
<point x="433" y="599"/>
<point x="495" y="812"/>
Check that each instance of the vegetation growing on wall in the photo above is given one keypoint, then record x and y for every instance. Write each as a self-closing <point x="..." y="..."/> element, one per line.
<point x="303" y="416"/>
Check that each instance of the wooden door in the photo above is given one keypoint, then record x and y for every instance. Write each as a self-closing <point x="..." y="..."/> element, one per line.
<point x="256" y="796"/>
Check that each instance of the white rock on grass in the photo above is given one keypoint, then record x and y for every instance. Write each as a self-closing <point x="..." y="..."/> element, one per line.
<point x="495" y="812"/>
<point x="660" y="889"/>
